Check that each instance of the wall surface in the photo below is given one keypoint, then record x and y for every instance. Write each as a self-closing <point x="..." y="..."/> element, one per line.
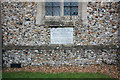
<point x="19" y="24"/>
<point x="81" y="57"/>
<point x="27" y="42"/>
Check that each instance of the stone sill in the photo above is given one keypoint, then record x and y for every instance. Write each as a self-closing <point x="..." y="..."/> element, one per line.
<point x="61" y="26"/>
<point x="60" y="47"/>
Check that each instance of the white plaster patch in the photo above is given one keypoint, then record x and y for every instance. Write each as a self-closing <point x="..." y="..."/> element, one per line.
<point x="61" y="35"/>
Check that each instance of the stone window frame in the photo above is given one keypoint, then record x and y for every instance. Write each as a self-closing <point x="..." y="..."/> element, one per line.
<point x="62" y="9"/>
<point x="41" y="17"/>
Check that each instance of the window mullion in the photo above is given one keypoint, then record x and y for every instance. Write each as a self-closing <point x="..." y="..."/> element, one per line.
<point x="52" y="8"/>
<point x="70" y="9"/>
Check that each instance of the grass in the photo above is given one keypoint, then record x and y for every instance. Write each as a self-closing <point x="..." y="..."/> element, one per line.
<point x="51" y="75"/>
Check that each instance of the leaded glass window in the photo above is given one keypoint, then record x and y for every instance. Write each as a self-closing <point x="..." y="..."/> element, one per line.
<point x="70" y="8"/>
<point x="52" y="8"/>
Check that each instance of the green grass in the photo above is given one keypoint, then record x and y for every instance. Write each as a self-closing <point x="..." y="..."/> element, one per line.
<point x="51" y="75"/>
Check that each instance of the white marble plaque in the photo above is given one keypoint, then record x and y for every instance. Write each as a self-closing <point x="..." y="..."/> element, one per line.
<point x="61" y="35"/>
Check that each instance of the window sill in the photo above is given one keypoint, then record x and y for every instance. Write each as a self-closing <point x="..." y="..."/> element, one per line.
<point x="61" y="20"/>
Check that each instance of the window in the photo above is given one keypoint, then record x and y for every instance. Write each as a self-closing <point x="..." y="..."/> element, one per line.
<point x="52" y="8"/>
<point x="61" y="35"/>
<point x="70" y="8"/>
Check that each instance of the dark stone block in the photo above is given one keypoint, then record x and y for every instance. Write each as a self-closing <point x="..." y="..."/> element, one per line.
<point x="15" y="65"/>
<point x="27" y="19"/>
